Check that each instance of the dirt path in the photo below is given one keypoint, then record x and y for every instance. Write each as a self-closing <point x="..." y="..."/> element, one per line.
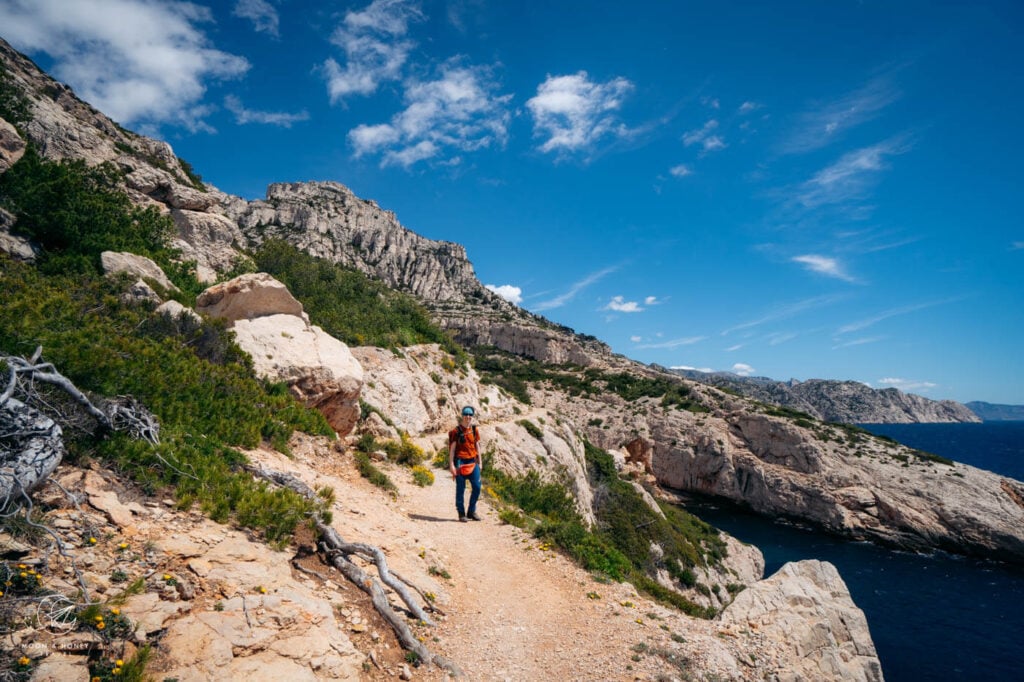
<point x="513" y="610"/>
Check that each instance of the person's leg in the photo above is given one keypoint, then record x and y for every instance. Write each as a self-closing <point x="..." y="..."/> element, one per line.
<point x="460" y="493"/>
<point x="474" y="481"/>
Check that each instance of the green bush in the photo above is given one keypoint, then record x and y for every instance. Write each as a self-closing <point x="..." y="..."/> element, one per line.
<point x="349" y="305"/>
<point x="374" y="475"/>
<point x="14" y="105"/>
<point x="422" y="476"/>
<point x="531" y="429"/>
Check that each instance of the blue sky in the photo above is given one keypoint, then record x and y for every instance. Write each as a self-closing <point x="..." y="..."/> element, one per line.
<point x="818" y="189"/>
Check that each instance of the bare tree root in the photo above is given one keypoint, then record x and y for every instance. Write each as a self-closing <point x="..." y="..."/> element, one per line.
<point x="337" y="551"/>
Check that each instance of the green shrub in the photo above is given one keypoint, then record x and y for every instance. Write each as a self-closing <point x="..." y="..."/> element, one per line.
<point x="349" y="305"/>
<point x="15" y="107"/>
<point x="404" y="451"/>
<point x="374" y="475"/>
<point x="531" y="429"/>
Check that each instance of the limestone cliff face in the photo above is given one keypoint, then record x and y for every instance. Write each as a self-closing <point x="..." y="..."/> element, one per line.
<point x="327" y="220"/>
<point x="843" y="480"/>
<point x="845" y="402"/>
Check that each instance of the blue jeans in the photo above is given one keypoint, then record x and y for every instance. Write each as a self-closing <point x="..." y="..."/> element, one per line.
<point x="460" y="490"/>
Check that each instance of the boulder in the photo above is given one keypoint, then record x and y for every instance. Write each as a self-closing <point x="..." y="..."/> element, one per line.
<point x="12" y="147"/>
<point x="269" y="325"/>
<point x="248" y="296"/>
<point x="139" y="266"/>
<point x="806" y="610"/>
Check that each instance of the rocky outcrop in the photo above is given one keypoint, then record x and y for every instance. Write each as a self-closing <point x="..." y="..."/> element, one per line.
<point x="841" y="479"/>
<point x="844" y="402"/>
<point x="805" y="609"/>
<point x="12" y="147"/>
<point x="269" y="325"/>
<point x="136" y="266"/>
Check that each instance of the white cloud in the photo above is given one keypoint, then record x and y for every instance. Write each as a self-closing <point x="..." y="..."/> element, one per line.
<point x="674" y="343"/>
<point x="262" y="14"/>
<point x="620" y="305"/>
<point x="830" y="267"/>
<point x="823" y="124"/>
<point x="680" y="171"/>
<point x="1017" y="245"/>
<point x="459" y="110"/>
<point x="652" y="300"/>
<point x="850" y="176"/>
<point x="704" y="137"/>
<point x="636" y="339"/>
<point x="139" y="62"/>
<point x="732" y="349"/>
<point x="577" y="287"/>
<point x="743" y="369"/>
<point x="375" y="47"/>
<point x="748" y="107"/>
<point x="508" y="292"/>
<point x="706" y="370"/>
<point x="243" y="115"/>
<point x="858" y="342"/>
<point x="711" y="102"/>
<point x="574" y="112"/>
<point x="907" y="385"/>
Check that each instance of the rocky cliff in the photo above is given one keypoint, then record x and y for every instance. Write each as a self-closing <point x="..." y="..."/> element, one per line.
<point x="990" y="412"/>
<point x="844" y="402"/>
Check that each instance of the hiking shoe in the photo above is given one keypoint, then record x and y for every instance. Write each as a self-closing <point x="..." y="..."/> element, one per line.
<point x="474" y="516"/>
<point x="462" y="517"/>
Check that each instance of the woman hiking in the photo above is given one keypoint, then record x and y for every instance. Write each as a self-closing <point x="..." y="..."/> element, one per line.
<point x="464" y="463"/>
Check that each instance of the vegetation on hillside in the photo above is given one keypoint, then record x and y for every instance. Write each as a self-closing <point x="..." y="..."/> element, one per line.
<point x="14" y="106"/>
<point x="349" y="305"/>
<point x="190" y="375"/>
<point x="513" y="373"/>
<point x="619" y="545"/>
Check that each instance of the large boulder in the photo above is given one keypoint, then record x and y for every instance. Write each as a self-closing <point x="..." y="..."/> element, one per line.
<point x="805" y="609"/>
<point x="270" y="325"/>
<point x="137" y="266"/>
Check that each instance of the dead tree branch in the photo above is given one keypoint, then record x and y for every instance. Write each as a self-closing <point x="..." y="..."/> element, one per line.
<point x="338" y="550"/>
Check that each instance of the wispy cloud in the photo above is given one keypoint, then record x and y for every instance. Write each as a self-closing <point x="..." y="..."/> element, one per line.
<point x="706" y="370"/>
<point x="139" y="62"/>
<point x="510" y="293"/>
<point x="858" y="342"/>
<point x="243" y="115"/>
<point x="851" y="176"/>
<point x="573" y="112"/>
<point x="375" y="47"/>
<point x="786" y="311"/>
<point x="894" y="312"/>
<point x="705" y="137"/>
<point x="620" y="305"/>
<point x="907" y="385"/>
<point x="577" y="287"/>
<point x="459" y="110"/>
<point x="680" y="171"/>
<point x="749" y="107"/>
<point x="1016" y="245"/>
<point x="674" y="343"/>
<point x="823" y="265"/>
<point x="826" y="122"/>
<point x="261" y="13"/>
<point x="636" y="339"/>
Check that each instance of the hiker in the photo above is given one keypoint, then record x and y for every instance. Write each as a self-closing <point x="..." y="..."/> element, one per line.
<point x="464" y="463"/>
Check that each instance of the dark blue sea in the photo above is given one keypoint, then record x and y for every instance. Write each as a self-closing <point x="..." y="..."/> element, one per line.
<point x="936" y="617"/>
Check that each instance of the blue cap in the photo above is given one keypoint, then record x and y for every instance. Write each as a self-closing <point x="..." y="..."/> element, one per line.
<point x="468" y="411"/>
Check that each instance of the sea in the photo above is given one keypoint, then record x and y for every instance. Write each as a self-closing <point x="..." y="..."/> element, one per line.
<point x="932" y="616"/>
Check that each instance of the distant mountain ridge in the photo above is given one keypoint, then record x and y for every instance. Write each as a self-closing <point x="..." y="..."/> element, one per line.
<point x="991" y="412"/>
<point x="845" y="402"/>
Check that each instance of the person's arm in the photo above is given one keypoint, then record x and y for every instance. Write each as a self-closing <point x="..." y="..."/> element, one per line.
<point x="451" y="458"/>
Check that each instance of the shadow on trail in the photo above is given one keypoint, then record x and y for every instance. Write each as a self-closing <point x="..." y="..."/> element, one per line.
<point x="436" y="519"/>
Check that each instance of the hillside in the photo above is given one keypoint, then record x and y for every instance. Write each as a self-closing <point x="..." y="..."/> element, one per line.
<point x="845" y="402"/>
<point x="231" y="366"/>
<point x="990" y="412"/>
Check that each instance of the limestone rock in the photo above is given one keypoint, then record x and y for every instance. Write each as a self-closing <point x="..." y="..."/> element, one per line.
<point x="246" y="297"/>
<point x="12" y="147"/>
<point x="176" y="311"/>
<point x="208" y="239"/>
<point x="806" y="608"/>
<point x="14" y="245"/>
<point x="269" y="325"/>
<point x="139" y="266"/>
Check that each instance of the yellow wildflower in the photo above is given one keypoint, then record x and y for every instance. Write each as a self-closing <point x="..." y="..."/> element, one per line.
<point x="116" y="612"/>
<point x="100" y="625"/>
<point x="118" y="663"/>
<point x="92" y="541"/>
<point x="24" y="660"/>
